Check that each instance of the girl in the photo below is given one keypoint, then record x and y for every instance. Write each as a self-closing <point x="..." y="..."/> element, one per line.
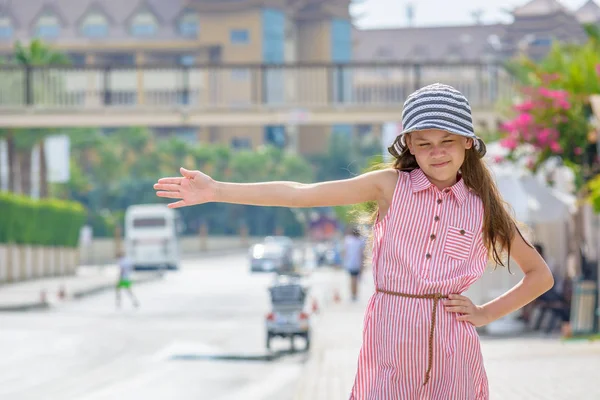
<point x="439" y="219"/>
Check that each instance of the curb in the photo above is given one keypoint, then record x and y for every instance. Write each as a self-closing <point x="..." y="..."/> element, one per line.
<point x="80" y="294"/>
<point x="26" y="307"/>
<point x="111" y="286"/>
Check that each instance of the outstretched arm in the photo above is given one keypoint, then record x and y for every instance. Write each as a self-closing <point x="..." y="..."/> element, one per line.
<point x="197" y="188"/>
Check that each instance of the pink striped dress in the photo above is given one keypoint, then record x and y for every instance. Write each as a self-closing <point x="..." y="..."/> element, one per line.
<point x="430" y="241"/>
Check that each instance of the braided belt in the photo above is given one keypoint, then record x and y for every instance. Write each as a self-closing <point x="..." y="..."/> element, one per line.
<point x="436" y="298"/>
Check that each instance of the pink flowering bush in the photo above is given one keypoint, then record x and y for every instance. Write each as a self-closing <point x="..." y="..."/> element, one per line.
<point x="550" y="121"/>
<point x="554" y="114"/>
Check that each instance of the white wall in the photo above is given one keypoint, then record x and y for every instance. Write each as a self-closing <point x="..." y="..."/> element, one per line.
<point x="102" y="250"/>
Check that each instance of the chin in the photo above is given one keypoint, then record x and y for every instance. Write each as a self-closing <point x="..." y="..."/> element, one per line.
<point x="441" y="176"/>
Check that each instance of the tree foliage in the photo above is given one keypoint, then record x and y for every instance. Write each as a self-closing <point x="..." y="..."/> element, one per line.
<point x="553" y="112"/>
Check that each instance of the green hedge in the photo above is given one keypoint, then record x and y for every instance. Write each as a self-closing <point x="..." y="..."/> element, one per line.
<point x="102" y="225"/>
<point x="47" y="222"/>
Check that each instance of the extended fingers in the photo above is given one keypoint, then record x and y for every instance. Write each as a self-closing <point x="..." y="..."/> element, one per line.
<point x="170" y="195"/>
<point x="174" y="180"/>
<point x="170" y="187"/>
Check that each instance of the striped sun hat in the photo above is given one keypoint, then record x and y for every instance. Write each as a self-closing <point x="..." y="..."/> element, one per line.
<point x="437" y="106"/>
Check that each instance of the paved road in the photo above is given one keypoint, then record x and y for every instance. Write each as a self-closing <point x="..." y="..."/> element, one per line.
<point x="90" y="350"/>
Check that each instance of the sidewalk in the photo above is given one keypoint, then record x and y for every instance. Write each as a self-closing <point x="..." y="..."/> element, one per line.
<point x="329" y="373"/>
<point x="46" y="292"/>
<point x="530" y="366"/>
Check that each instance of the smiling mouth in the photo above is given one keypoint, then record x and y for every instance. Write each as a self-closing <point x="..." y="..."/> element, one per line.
<point x="440" y="164"/>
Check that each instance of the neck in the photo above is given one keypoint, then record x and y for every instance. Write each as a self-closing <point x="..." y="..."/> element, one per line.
<point x="441" y="185"/>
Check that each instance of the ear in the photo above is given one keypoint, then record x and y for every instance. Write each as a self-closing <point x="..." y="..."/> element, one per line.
<point x="408" y="141"/>
<point x="468" y="143"/>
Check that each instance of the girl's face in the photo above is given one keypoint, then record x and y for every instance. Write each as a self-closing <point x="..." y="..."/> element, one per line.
<point x="439" y="154"/>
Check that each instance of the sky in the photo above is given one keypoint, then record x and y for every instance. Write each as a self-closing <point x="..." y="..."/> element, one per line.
<point x="392" y="13"/>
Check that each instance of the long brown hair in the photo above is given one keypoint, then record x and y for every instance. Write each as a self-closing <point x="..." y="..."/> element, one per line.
<point x="499" y="226"/>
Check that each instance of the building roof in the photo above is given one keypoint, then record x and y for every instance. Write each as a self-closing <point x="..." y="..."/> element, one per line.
<point x="72" y="12"/>
<point x="539" y="7"/>
<point x="471" y="42"/>
<point x="589" y="13"/>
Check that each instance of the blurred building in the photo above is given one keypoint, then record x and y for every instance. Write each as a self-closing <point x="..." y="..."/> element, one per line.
<point x="268" y="32"/>
<point x="589" y="13"/>
<point x="189" y="32"/>
<point x="536" y="25"/>
<point x="465" y="56"/>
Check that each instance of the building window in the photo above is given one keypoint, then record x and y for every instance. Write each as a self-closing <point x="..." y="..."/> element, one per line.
<point x="239" y="36"/>
<point x="341" y="41"/>
<point x="541" y="41"/>
<point x="116" y="59"/>
<point x="275" y="135"/>
<point x="95" y="25"/>
<point x="188" y="25"/>
<point x="77" y="59"/>
<point x="144" y="24"/>
<point x="274" y="27"/>
<point x="241" y="143"/>
<point x="48" y="26"/>
<point x="6" y="28"/>
<point x="187" y="60"/>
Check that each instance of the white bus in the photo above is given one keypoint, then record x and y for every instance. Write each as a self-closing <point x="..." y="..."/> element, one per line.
<point x="151" y="236"/>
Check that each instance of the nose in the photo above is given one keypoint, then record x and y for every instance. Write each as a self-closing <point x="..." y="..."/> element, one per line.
<point x="437" y="151"/>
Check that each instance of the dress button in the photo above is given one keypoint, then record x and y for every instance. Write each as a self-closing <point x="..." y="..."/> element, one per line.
<point x="432" y="237"/>
<point x="462" y="231"/>
<point x="446" y="190"/>
<point x="436" y="219"/>
<point x="428" y="256"/>
<point x="439" y="201"/>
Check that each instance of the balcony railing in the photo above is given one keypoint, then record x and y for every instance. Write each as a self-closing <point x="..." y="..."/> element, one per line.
<point x="244" y="87"/>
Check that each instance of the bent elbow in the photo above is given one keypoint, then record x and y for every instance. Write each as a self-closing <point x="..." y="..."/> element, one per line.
<point x="548" y="281"/>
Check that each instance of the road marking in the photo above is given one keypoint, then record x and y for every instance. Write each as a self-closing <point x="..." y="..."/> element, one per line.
<point x="282" y="376"/>
<point x="184" y="348"/>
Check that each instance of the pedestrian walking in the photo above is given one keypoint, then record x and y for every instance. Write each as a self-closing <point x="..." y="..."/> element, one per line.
<point x="124" y="282"/>
<point x="354" y="258"/>
<point x="440" y="218"/>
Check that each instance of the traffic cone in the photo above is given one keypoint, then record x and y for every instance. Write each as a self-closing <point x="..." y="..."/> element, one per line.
<point x="336" y="296"/>
<point x="62" y="293"/>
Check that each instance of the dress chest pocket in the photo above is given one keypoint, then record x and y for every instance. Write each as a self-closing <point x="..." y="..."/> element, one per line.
<point x="458" y="242"/>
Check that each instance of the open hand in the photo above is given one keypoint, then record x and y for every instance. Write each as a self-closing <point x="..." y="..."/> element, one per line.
<point x="192" y="188"/>
<point x="466" y="310"/>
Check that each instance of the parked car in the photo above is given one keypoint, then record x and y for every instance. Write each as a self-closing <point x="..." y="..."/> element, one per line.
<point x="271" y="257"/>
<point x="283" y="240"/>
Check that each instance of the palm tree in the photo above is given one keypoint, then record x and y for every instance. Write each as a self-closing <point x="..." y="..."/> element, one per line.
<point x="23" y="141"/>
<point x="38" y="54"/>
